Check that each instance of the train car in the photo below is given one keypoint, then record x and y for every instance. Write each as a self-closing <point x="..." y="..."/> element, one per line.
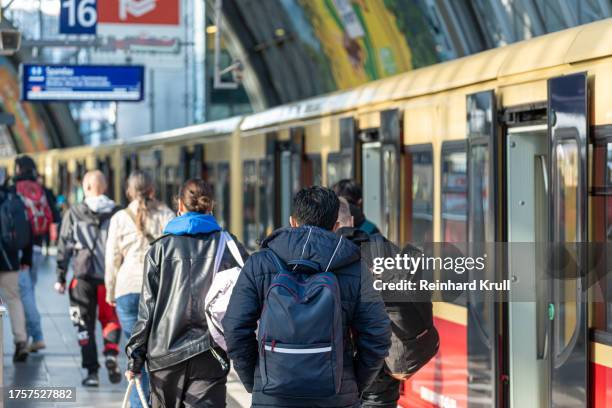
<point x="510" y="145"/>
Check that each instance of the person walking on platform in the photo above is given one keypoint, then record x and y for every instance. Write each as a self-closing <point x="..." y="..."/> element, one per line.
<point x="322" y="330"/>
<point x="384" y="392"/>
<point x="414" y="338"/>
<point x="130" y="234"/>
<point x="40" y="206"/>
<point x="186" y="369"/>
<point x="11" y="261"/>
<point x="83" y="240"/>
<point x="351" y="191"/>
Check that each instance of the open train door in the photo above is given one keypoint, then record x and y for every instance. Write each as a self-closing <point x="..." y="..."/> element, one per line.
<point x="567" y="127"/>
<point x="482" y="341"/>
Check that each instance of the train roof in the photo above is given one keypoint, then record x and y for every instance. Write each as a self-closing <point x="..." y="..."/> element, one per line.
<point x="208" y="129"/>
<point x="576" y="44"/>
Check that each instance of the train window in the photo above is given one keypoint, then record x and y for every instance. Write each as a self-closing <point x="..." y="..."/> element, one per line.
<point x="565" y="203"/>
<point x="266" y="197"/>
<point x="602" y="231"/>
<point x="420" y="189"/>
<point x="221" y="183"/>
<point x="454" y="192"/>
<point x="250" y="215"/>
<point x="338" y="167"/>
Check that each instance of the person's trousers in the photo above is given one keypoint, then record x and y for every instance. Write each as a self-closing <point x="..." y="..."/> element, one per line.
<point x="9" y="283"/>
<point x="198" y="382"/>
<point x="85" y="297"/>
<point x="127" y="311"/>
<point x="384" y="392"/>
<point x="27" y="285"/>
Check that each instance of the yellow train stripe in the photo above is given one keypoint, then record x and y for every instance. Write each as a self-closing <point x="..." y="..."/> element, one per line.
<point x="601" y="354"/>
<point x="451" y="312"/>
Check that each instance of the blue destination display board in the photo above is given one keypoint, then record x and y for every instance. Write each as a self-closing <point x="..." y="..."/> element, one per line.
<point x="82" y="82"/>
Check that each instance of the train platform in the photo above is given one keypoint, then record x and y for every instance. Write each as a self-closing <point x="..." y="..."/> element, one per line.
<point x="59" y="365"/>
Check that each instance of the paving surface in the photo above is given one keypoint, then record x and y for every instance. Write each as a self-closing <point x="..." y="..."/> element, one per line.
<point x="60" y="363"/>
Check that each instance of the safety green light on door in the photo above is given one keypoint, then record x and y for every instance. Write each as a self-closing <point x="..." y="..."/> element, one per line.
<point x="551" y="311"/>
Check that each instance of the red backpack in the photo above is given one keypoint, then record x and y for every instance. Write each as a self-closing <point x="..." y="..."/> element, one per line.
<point x="37" y="207"/>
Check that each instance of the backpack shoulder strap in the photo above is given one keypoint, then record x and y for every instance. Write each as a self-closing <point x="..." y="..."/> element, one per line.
<point x="231" y="245"/>
<point x="221" y="244"/>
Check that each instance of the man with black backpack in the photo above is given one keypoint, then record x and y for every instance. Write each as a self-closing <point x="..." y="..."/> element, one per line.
<point x="414" y="338"/>
<point x="322" y="331"/>
<point x="12" y="257"/>
<point x="82" y="240"/>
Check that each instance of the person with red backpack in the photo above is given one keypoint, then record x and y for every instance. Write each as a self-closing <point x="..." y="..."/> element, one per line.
<point x="38" y="202"/>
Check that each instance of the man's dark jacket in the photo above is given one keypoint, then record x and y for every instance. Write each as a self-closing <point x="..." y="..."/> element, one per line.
<point x="171" y="326"/>
<point x="365" y="322"/>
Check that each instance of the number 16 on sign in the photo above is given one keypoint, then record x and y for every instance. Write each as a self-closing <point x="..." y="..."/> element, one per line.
<point x="78" y="17"/>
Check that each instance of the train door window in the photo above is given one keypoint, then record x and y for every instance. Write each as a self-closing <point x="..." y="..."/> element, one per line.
<point x="390" y="197"/>
<point x="454" y="192"/>
<point x="266" y="197"/>
<point x="172" y="185"/>
<point x="222" y="193"/>
<point x="64" y="180"/>
<point x="285" y="187"/>
<point x="419" y="190"/>
<point x="371" y="154"/>
<point x="250" y="196"/>
<point x="339" y="167"/>
<point x="312" y="175"/>
<point x="568" y="126"/>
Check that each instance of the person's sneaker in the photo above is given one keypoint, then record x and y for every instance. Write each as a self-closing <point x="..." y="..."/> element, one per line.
<point x="91" y="380"/>
<point x="114" y="375"/>
<point x="37" y="345"/>
<point x="21" y="353"/>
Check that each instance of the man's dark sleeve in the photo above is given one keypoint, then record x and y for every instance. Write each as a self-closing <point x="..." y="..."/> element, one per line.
<point x="136" y="348"/>
<point x="240" y="323"/>
<point x="372" y="329"/>
<point x="65" y="247"/>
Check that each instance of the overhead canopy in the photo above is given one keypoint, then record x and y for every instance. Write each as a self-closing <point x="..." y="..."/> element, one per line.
<point x="295" y="49"/>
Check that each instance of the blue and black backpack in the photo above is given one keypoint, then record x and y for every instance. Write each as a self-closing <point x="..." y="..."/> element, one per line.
<point x="300" y="332"/>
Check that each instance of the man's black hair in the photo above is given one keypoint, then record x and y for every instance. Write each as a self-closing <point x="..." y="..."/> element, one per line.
<point x="26" y="166"/>
<point x="350" y="190"/>
<point x="317" y="206"/>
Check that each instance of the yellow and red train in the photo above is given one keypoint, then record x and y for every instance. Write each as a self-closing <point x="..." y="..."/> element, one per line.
<point x="509" y="145"/>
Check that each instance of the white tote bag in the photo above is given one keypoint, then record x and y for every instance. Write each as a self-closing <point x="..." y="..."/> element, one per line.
<point x="218" y="296"/>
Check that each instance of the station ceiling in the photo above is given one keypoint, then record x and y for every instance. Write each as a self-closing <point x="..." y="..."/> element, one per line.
<point x="295" y="49"/>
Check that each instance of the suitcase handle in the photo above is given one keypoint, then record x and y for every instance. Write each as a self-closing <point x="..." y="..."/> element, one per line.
<point x="126" y="397"/>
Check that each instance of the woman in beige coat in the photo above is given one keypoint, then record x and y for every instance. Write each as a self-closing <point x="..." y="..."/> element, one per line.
<point x="129" y="235"/>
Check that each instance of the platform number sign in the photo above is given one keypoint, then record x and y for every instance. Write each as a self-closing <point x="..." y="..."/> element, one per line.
<point x="78" y="16"/>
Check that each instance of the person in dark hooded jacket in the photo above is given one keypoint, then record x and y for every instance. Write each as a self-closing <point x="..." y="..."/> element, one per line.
<point x="384" y="392"/>
<point x="82" y="242"/>
<point x="366" y="328"/>
<point x="171" y="334"/>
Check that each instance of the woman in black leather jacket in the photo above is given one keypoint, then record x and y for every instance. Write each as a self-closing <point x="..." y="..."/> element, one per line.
<point x="171" y="334"/>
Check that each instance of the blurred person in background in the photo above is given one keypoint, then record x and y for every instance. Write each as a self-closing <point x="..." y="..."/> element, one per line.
<point x="40" y="205"/>
<point x="130" y="233"/>
<point x="11" y="261"/>
<point x="82" y="240"/>
<point x="352" y="192"/>
<point x="186" y="368"/>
